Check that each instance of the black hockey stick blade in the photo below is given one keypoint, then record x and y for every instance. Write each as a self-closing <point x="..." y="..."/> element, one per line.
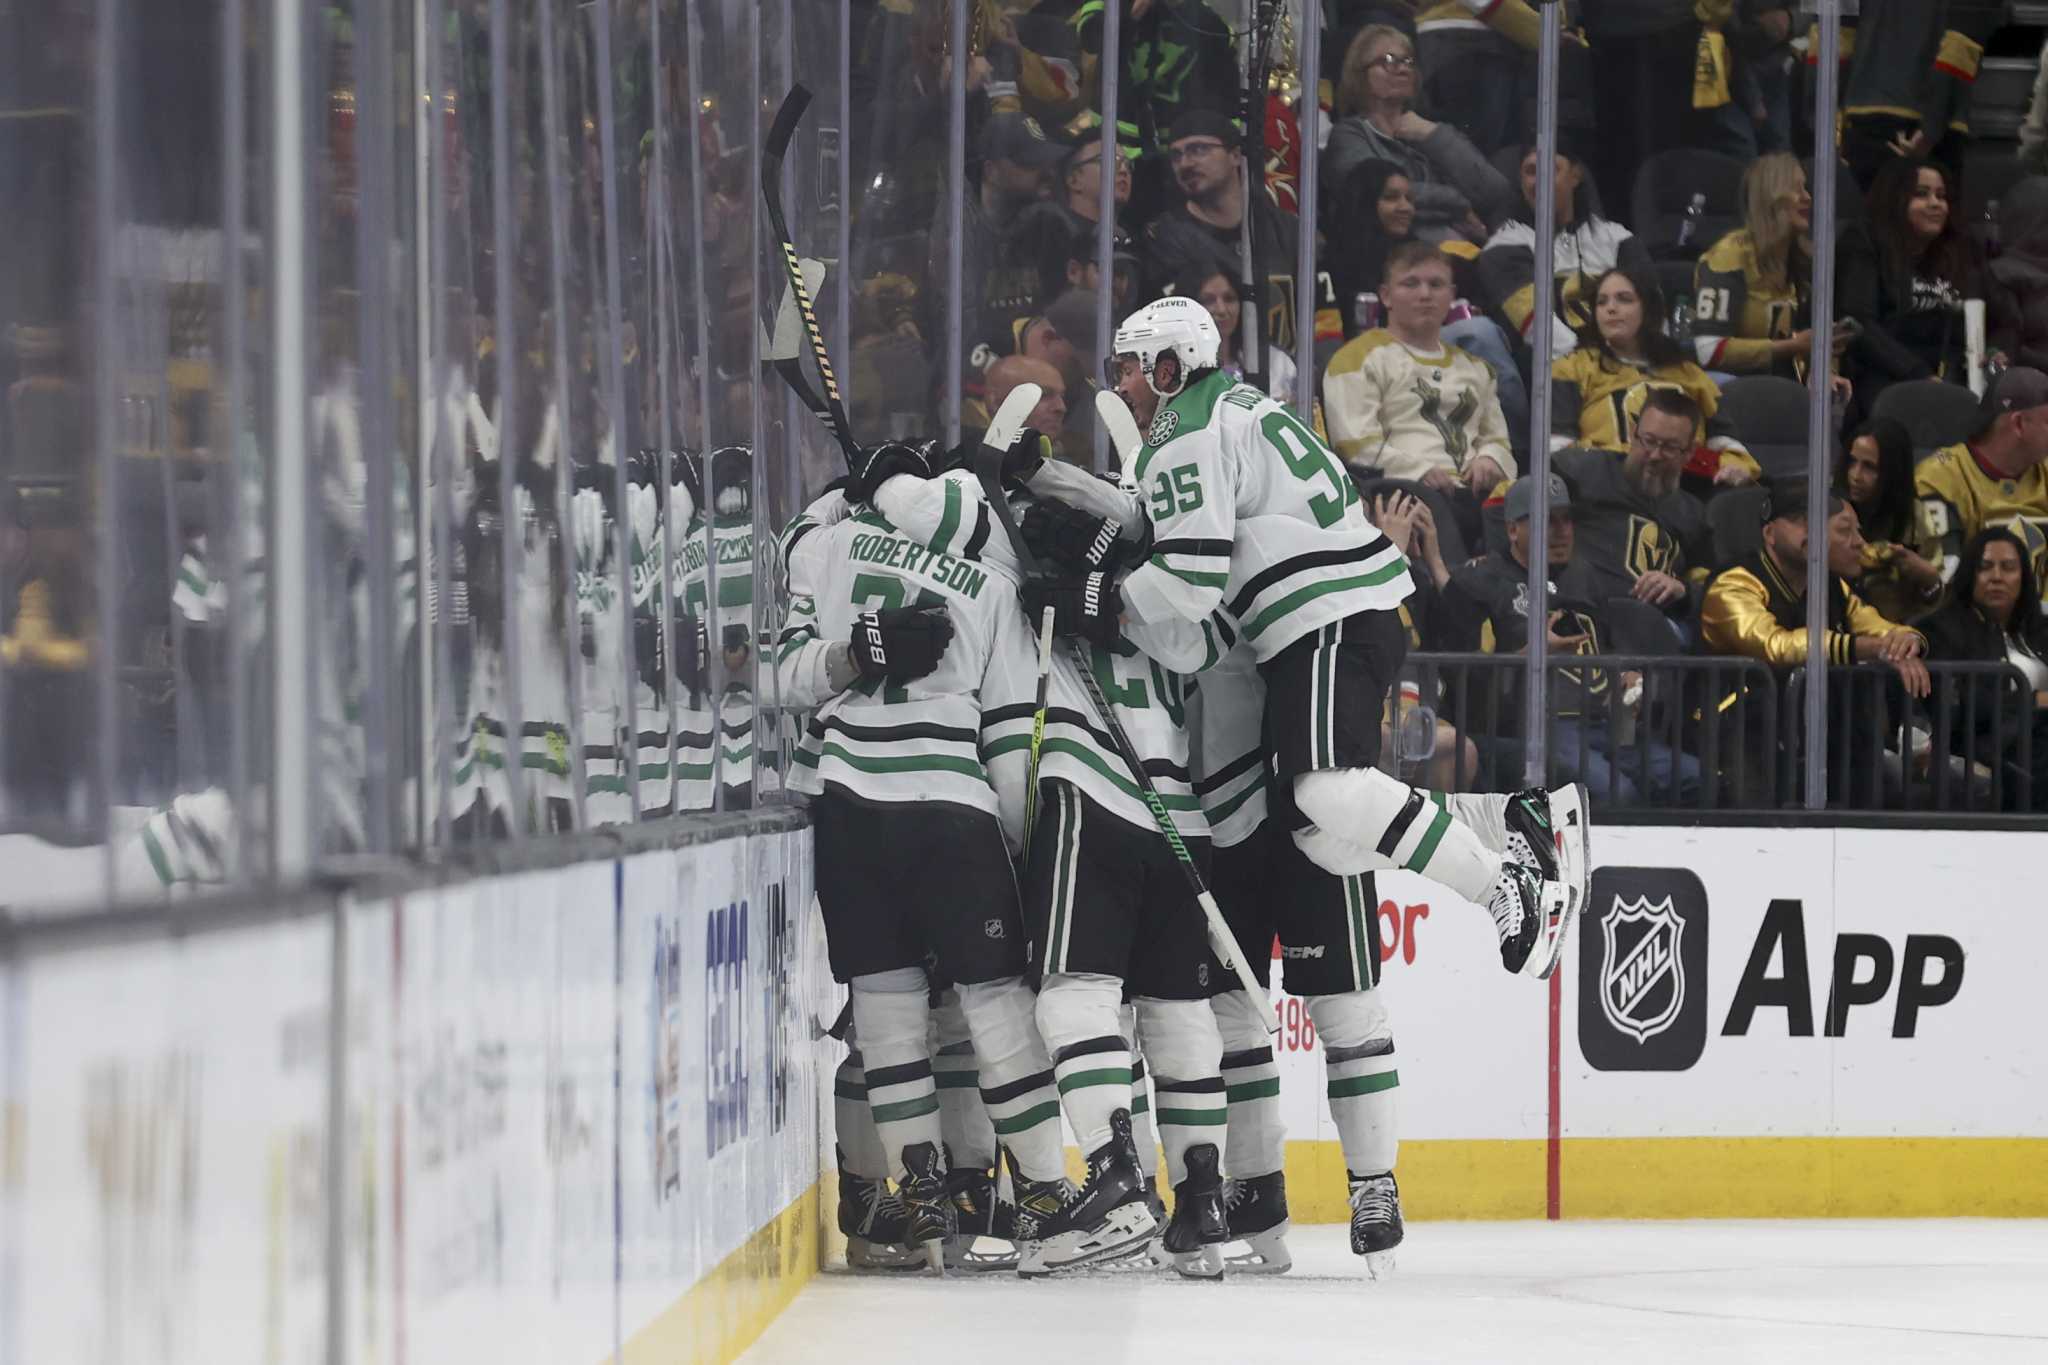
<point x="779" y="137"/>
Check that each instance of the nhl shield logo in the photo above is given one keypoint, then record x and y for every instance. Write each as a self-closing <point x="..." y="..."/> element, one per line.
<point x="1642" y="975"/>
<point x="992" y="927"/>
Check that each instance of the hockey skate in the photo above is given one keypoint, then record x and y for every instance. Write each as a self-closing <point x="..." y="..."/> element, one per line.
<point x="1257" y="1210"/>
<point x="979" y="1213"/>
<point x="1104" y="1219"/>
<point x="927" y="1203"/>
<point x="1375" y="1221"/>
<point x="1551" y="831"/>
<point x="1199" y="1228"/>
<point x="1530" y="914"/>
<point x="873" y="1221"/>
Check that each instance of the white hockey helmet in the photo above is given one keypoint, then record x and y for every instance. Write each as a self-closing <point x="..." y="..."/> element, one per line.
<point x="1175" y="324"/>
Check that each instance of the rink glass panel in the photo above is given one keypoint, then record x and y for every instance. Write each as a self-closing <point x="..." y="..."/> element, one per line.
<point x="533" y="276"/>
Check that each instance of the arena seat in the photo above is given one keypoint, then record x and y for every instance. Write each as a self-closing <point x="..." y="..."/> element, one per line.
<point x="1663" y="192"/>
<point x="1769" y="415"/>
<point x="1935" y="412"/>
<point x="1735" y="517"/>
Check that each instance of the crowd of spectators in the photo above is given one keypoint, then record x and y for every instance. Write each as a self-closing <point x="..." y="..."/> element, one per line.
<point x="1681" y="330"/>
<point x="1681" y="334"/>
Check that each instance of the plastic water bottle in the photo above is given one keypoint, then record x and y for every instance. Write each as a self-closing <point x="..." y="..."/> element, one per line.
<point x="1694" y="211"/>
<point x="1681" y="322"/>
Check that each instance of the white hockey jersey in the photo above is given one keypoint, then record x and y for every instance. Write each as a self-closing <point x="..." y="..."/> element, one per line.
<point x="1142" y="676"/>
<point x="917" y="742"/>
<point x="1253" y="515"/>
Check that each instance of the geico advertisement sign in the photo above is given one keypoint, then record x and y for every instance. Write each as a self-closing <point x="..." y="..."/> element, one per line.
<point x="1799" y="981"/>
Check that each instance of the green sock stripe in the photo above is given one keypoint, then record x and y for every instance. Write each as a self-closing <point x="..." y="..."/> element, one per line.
<point x="907" y="1109"/>
<point x="1192" y="1118"/>
<point x="1254" y="1090"/>
<point x="1356" y="910"/>
<point x="1425" y="850"/>
<point x="161" y="863"/>
<point x="957" y="1080"/>
<point x="1107" y="1075"/>
<point x="1351" y="1086"/>
<point x="1141" y="1103"/>
<point x="1029" y="1119"/>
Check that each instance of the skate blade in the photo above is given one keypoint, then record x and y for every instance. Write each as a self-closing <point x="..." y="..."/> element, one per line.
<point x="1575" y="839"/>
<point x="1265" y="1254"/>
<point x="935" y="1257"/>
<point x="1379" y="1264"/>
<point x="1125" y="1231"/>
<point x="966" y="1253"/>
<point x="1204" y="1263"/>
<point x="883" y="1258"/>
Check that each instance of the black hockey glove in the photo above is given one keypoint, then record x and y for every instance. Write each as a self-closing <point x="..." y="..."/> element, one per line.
<point x="1087" y="605"/>
<point x="1079" y="541"/>
<point x="647" y="653"/>
<point x="898" y="644"/>
<point x="1026" y="454"/>
<point x="686" y="471"/>
<point x="692" y="649"/>
<point x="874" y="466"/>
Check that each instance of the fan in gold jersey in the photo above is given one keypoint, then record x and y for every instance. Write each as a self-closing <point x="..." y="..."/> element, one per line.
<point x="1623" y="354"/>
<point x="1999" y="477"/>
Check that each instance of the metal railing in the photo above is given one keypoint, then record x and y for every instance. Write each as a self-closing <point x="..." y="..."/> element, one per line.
<point x="1966" y="746"/>
<point x="1714" y="737"/>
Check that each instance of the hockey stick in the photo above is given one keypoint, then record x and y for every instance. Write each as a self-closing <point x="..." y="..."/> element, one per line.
<point x="988" y="470"/>
<point x="1122" y="427"/>
<point x="772" y="152"/>
<point x="1045" y="625"/>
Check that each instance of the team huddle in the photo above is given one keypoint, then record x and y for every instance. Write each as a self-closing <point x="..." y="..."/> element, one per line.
<point x="1015" y="908"/>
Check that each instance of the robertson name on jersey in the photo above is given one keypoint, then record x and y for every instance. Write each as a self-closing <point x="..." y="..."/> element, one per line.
<point x="1254" y="516"/>
<point x="917" y="742"/>
<point x="1141" y="675"/>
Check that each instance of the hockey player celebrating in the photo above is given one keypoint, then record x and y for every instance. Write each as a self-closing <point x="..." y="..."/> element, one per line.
<point x="890" y="642"/>
<point x="1253" y="521"/>
<point x="1109" y="912"/>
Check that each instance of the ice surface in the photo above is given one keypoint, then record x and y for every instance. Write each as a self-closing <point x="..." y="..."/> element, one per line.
<point x="1525" y="1293"/>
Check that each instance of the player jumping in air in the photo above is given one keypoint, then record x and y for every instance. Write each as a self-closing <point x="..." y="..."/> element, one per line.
<point x="1253" y="521"/>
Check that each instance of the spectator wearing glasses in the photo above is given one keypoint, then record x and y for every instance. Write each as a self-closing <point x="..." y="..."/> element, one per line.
<point x="1994" y="616"/>
<point x="1644" y="536"/>
<point x="1998" y="477"/>
<point x="1624" y="354"/>
<point x="1457" y="191"/>
<point x="1045" y="230"/>
<point x="1204" y="233"/>
<point x="1405" y="402"/>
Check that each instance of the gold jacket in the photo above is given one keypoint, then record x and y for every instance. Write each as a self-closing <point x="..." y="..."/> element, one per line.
<point x="1752" y="611"/>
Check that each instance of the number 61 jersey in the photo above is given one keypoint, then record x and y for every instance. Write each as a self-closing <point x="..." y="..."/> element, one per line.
<point x="917" y="742"/>
<point x="1251" y="513"/>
